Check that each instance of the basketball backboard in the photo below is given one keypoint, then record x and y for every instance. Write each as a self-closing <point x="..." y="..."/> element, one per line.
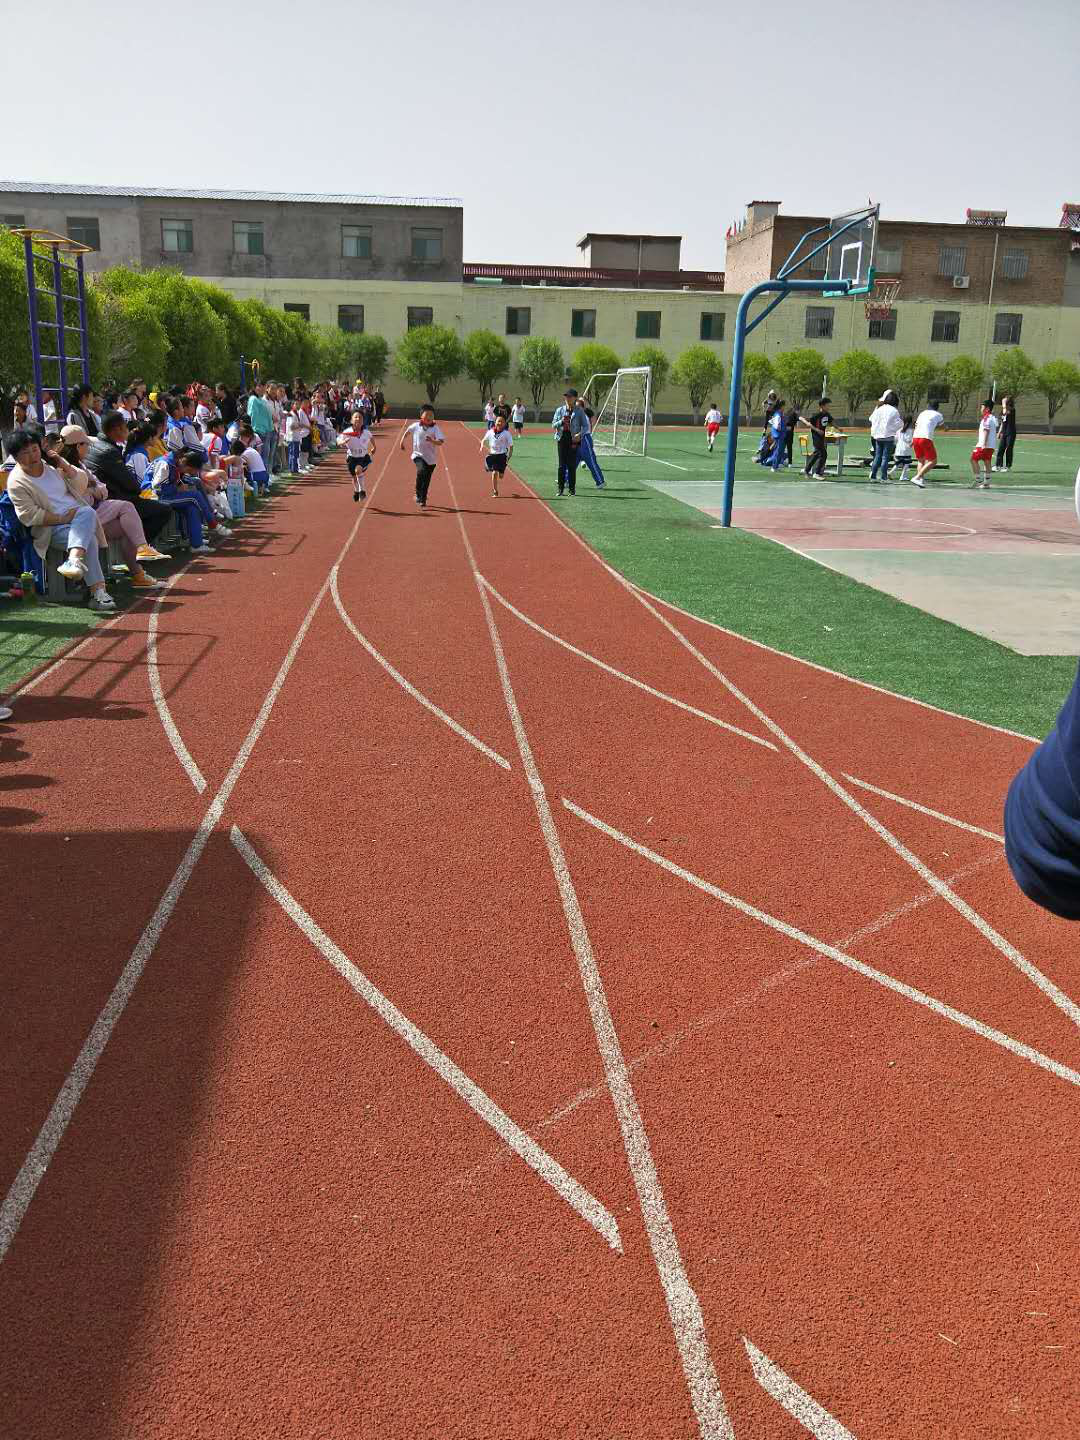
<point x="850" y="255"/>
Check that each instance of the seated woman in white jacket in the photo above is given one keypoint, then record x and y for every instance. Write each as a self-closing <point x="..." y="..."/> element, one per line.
<point x="886" y="422"/>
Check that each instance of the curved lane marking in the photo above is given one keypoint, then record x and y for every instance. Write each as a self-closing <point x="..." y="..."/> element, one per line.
<point x="575" y="1195"/>
<point x="410" y="689"/>
<point x="168" y="724"/>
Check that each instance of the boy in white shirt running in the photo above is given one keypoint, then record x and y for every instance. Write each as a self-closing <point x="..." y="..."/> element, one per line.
<point x="359" y="448"/>
<point x="922" y="442"/>
<point x="425" y="436"/>
<point x="517" y="415"/>
<point x="984" y="446"/>
<point x="713" y="421"/>
<point x="500" y="445"/>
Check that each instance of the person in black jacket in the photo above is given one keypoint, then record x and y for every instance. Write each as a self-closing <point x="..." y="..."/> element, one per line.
<point x="82" y="412"/>
<point x="1006" y="435"/>
<point x="106" y="460"/>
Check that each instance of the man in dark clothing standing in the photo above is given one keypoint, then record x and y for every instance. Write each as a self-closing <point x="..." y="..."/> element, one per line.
<point x="1006" y="435"/>
<point x="819" y="422"/>
<point x="569" y="425"/>
<point x="105" y="459"/>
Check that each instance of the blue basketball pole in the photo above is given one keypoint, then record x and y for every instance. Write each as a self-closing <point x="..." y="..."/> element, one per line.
<point x="783" y="287"/>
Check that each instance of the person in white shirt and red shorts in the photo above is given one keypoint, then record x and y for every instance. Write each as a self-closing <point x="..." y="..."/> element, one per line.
<point x="926" y="423"/>
<point x="983" y="454"/>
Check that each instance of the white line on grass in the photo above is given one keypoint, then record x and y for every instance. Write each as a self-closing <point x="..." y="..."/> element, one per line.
<point x="798" y="1404"/>
<point x="481" y="1104"/>
<point x="947" y="1012"/>
<point x="410" y="689"/>
<point x="925" y="810"/>
<point x="657" y="461"/>
<point x="176" y="740"/>
<point x="618" y="674"/>
<point x="32" y="1171"/>
<point x="1004" y="947"/>
<point x="684" y="1309"/>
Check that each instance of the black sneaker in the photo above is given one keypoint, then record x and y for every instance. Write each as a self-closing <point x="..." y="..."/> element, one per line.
<point x="363" y="494"/>
<point x="356" y="494"/>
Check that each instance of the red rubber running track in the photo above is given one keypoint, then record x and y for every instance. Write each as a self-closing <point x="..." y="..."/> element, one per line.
<point x="451" y="994"/>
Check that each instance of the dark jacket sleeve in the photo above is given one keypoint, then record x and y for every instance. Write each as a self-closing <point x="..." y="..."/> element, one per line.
<point x="1042" y="818"/>
<point x="106" y="462"/>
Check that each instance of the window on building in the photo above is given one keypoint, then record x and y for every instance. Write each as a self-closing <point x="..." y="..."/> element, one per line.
<point x="1007" y="328"/>
<point x="351" y="318"/>
<point x="356" y="242"/>
<point x="946" y="326"/>
<point x="420" y="315"/>
<point x="888" y="259"/>
<point x="247" y="237"/>
<point x="648" y="325"/>
<point x="177" y="236"/>
<point x="427" y="245"/>
<point x="84" y="229"/>
<point x="295" y="308"/>
<point x="13" y="222"/>
<point x="1014" y="264"/>
<point x="951" y="259"/>
<point x="583" y="323"/>
<point x="819" y="322"/>
<point x="882" y="329"/>
<point x="518" y="319"/>
<point x="712" y="324"/>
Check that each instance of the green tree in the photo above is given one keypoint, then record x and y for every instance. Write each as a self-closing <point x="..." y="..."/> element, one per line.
<point x="1014" y="374"/>
<point x="197" y="336"/>
<point x="657" y="361"/>
<point x="133" y="340"/>
<point x="590" y="359"/>
<point x="430" y="355"/>
<point x="799" y="374"/>
<point x="700" y="372"/>
<point x="370" y="356"/>
<point x="540" y="363"/>
<point x="487" y="359"/>
<point x="242" y="331"/>
<point x="964" y="376"/>
<point x="1057" y="380"/>
<point x="757" y="376"/>
<point x="332" y="352"/>
<point x="913" y="376"/>
<point x="859" y="376"/>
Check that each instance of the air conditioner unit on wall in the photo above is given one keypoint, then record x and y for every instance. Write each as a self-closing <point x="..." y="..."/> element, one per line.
<point x="961" y="282"/>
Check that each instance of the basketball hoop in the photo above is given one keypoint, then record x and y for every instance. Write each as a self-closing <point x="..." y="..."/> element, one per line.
<point x="879" y="302"/>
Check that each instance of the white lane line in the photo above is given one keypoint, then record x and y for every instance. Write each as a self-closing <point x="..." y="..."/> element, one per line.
<point x="669" y="463"/>
<point x="917" y="902"/>
<point x="35" y="680"/>
<point x="947" y="1012"/>
<point x="32" y="1171"/>
<point x="1004" y="947"/>
<point x="618" y="674"/>
<point x="798" y="1404"/>
<point x="481" y="1104"/>
<point x="684" y="1309"/>
<point x="925" y="810"/>
<point x="176" y="740"/>
<point x="410" y="689"/>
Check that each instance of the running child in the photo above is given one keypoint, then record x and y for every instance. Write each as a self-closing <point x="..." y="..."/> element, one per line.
<point x="489" y="414"/>
<point x="713" y="421"/>
<point x="500" y="446"/>
<point x="903" y="453"/>
<point x="359" y="448"/>
<point x="517" y="415"/>
<point x="984" y="447"/>
<point x="425" y="436"/>
<point x="922" y="442"/>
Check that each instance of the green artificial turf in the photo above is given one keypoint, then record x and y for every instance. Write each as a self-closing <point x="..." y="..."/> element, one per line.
<point x="768" y="593"/>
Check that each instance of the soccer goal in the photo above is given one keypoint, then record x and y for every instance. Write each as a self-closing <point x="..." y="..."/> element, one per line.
<point x="623" y="411"/>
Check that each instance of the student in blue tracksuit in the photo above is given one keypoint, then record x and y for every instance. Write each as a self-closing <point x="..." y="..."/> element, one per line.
<point x="588" y="449"/>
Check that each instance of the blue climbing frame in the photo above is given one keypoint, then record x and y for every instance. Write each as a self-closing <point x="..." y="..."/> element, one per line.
<point x="831" y="283"/>
<point x="47" y="246"/>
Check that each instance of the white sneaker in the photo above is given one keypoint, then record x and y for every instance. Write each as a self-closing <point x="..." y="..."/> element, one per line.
<point x="102" y="602"/>
<point x="72" y="569"/>
<point x="223" y="530"/>
<point x="916" y="481"/>
<point x="6" y="712"/>
<point x="202" y="550"/>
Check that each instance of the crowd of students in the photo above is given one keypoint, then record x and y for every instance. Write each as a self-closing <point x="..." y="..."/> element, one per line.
<point x="119" y="466"/>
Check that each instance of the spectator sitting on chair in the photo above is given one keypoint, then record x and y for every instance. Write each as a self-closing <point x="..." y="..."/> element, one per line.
<point x="82" y="412"/>
<point x="105" y="459"/>
<point x="51" y="501"/>
<point x="119" y="518"/>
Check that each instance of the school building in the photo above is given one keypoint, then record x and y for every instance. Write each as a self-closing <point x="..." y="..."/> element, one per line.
<point x="386" y="264"/>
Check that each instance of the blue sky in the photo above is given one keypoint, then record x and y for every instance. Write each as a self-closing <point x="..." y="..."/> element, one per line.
<point x="551" y="121"/>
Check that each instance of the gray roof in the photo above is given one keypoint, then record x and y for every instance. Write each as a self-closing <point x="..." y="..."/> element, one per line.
<point x="27" y="187"/>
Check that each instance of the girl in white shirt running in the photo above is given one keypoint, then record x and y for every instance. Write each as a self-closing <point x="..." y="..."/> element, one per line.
<point x="359" y="448"/>
<point x="499" y="444"/>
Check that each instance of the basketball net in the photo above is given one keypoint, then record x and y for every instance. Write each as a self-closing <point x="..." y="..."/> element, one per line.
<point x="879" y="303"/>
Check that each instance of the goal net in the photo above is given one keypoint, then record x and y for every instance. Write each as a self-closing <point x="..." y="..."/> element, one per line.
<point x="622" y="403"/>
